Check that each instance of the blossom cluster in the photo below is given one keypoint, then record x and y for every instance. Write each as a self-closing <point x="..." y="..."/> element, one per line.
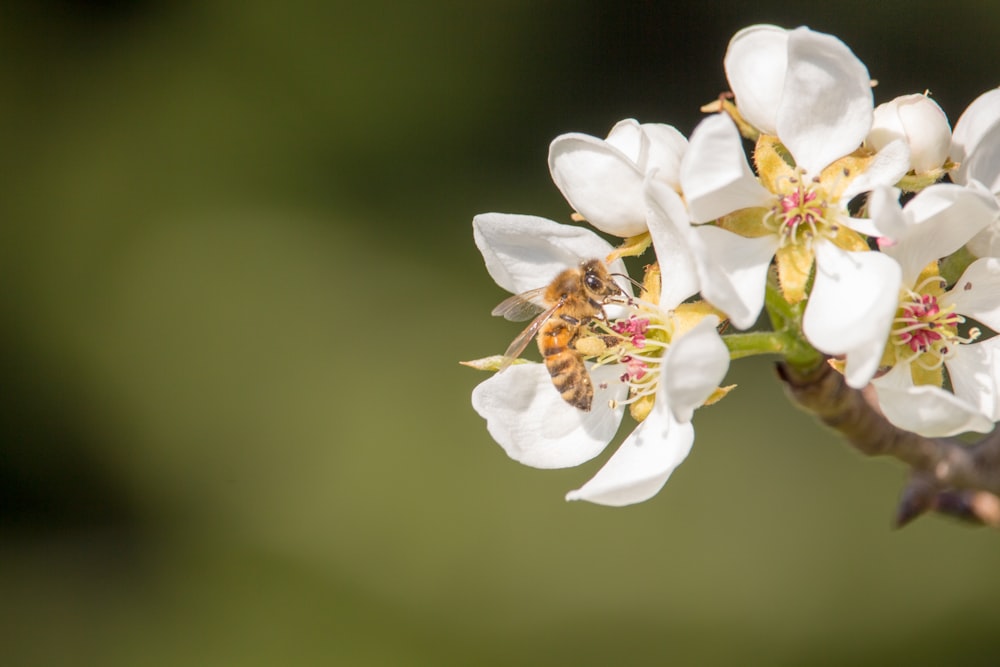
<point x="869" y="234"/>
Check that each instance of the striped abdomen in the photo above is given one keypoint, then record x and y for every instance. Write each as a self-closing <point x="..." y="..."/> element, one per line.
<point x="569" y="374"/>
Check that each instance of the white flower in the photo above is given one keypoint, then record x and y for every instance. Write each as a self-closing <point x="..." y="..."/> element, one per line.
<point x="926" y="329"/>
<point x="678" y="365"/>
<point x="807" y="92"/>
<point x="892" y="310"/>
<point x="921" y="123"/>
<point x="602" y="179"/>
<point x="805" y="87"/>
<point x="975" y="147"/>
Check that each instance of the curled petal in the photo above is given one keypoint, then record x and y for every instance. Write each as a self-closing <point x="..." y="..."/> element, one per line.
<point x="886" y="126"/>
<point x="600" y="182"/>
<point x="670" y="230"/>
<point x="887" y="220"/>
<point x="975" y="143"/>
<point x="627" y="136"/>
<point x="885" y="169"/>
<point x="845" y="315"/>
<point x="918" y="121"/>
<point x="927" y="132"/>
<point x="528" y="418"/>
<point x="733" y="271"/>
<point x="644" y="462"/>
<point x="666" y="149"/>
<point x="693" y="368"/>
<point x="523" y="252"/>
<point x="715" y="176"/>
<point x="925" y="409"/>
<point x="756" y="62"/>
<point x="826" y="107"/>
<point x="940" y="220"/>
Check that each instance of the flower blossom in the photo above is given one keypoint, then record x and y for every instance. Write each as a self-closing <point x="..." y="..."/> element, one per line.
<point x="811" y="99"/>
<point x="603" y="179"/>
<point x="921" y="123"/>
<point x="659" y="359"/>
<point x="910" y="324"/>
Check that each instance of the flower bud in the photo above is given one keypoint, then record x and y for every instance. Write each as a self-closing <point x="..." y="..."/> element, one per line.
<point x="920" y="122"/>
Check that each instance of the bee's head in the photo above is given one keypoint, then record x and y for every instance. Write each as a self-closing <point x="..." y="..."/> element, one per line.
<point x="597" y="280"/>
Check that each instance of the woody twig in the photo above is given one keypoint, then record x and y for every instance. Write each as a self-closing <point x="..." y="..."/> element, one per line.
<point x="949" y="476"/>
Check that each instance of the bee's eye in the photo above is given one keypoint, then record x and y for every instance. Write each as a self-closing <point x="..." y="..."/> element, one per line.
<point x="593" y="282"/>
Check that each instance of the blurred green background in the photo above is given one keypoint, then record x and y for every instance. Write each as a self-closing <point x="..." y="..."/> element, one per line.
<point x="238" y="274"/>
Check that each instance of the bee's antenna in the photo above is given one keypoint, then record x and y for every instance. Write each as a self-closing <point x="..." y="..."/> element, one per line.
<point x="634" y="282"/>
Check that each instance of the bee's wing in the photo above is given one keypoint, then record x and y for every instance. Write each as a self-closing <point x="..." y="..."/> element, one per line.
<point x="517" y="345"/>
<point x="521" y="307"/>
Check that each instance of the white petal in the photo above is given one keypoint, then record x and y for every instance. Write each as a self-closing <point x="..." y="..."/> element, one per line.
<point x="523" y="252"/>
<point x="941" y="219"/>
<point x="851" y="308"/>
<point x="918" y="121"/>
<point x="977" y="292"/>
<point x="974" y="371"/>
<point x="670" y="230"/>
<point x="628" y="137"/>
<point x="987" y="242"/>
<point x="983" y="164"/>
<point x="978" y="129"/>
<point x="715" y="176"/>
<point x="887" y="219"/>
<point x="886" y="168"/>
<point x="861" y="226"/>
<point x="887" y="126"/>
<point x="600" y="182"/>
<point x="733" y="271"/>
<point x="528" y="418"/>
<point x="927" y="410"/>
<point x="693" y="368"/>
<point x="755" y="63"/>
<point x="666" y="148"/>
<point x="826" y="108"/>
<point x="642" y="465"/>
<point x="927" y="131"/>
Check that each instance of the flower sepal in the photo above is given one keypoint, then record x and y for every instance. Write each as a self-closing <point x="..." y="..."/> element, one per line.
<point x="912" y="182"/>
<point x="493" y="362"/>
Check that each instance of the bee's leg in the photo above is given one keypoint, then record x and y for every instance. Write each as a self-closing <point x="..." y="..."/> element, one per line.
<point x="570" y="319"/>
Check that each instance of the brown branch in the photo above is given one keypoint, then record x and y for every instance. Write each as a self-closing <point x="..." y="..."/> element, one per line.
<point x="950" y="476"/>
<point x="922" y="494"/>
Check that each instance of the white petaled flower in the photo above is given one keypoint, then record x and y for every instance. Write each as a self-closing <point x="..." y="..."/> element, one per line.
<point x="602" y="179"/>
<point x="921" y="123"/>
<point x="909" y="323"/>
<point x="975" y="146"/>
<point x="810" y="96"/>
<point x="645" y="353"/>
<point x="805" y="87"/>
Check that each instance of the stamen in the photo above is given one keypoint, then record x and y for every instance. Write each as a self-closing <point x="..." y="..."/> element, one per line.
<point x="636" y="343"/>
<point x="801" y="214"/>
<point x="923" y="332"/>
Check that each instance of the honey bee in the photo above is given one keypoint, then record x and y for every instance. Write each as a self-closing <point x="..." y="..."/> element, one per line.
<point x="568" y="304"/>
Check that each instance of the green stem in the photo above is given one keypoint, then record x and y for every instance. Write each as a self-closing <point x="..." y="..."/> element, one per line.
<point x="787" y="322"/>
<point x="783" y="314"/>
